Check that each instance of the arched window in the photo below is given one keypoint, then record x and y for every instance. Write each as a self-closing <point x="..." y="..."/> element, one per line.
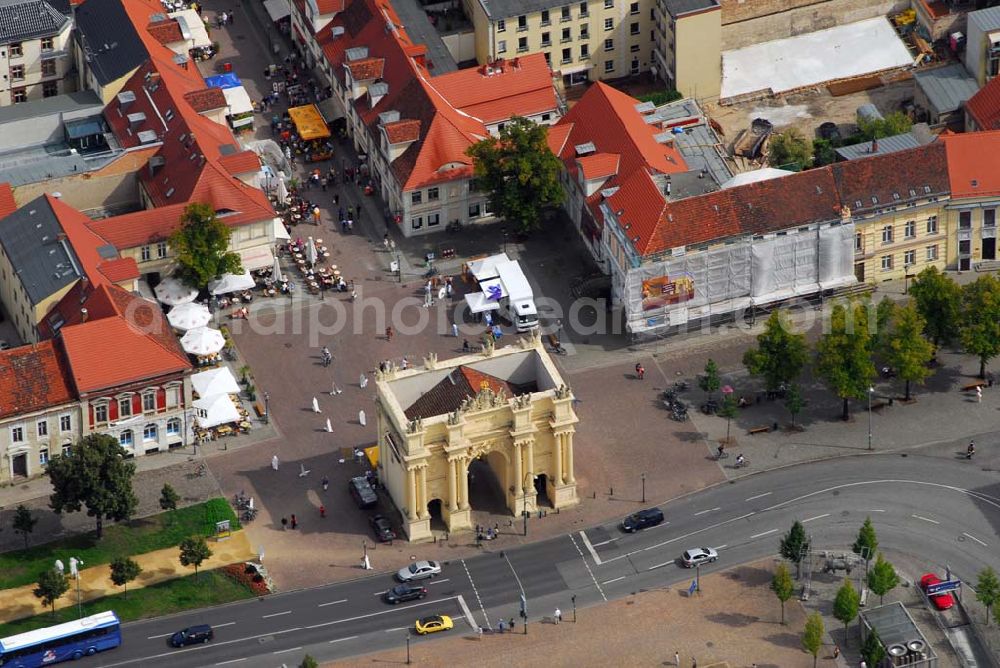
<point x="149" y="432"/>
<point x="173" y="426"/>
<point x="125" y="438"/>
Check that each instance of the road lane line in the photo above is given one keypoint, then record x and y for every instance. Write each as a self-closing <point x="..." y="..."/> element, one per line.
<point x="219" y="626"/>
<point x="587" y="566"/>
<point x="720" y="547"/>
<point x="759" y="496"/>
<point x="605" y="542"/>
<point x="476" y="592"/>
<point x="818" y="517"/>
<point x="468" y="613"/>
<point x="969" y="535"/>
<point x="276" y="614"/>
<point x="687" y="535"/>
<point x="876" y="511"/>
<point x="437" y="582"/>
<point x="398" y="628"/>
<point x="162" y="635"/>
<point x="703" y="512"/>
<point x="373" y="614"/>
<point x="226" y="663"/>
<point x="926" y="519"/>
<point x="290" y="649"/>
<point x="343" y="600"/>
<point x="665" y="563"/>
<point x="343" y="639"/>
<point x="765" y="533"/>
<point x="203" y="647"/>
<point x="607" y="582"/>
<point x="590" y="548"/>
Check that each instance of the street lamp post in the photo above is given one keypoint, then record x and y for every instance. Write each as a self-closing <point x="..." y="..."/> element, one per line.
<point x="267" y="412"/>
<point x="573" y="598"/>
<point x="407" y="649"/>
<point x="643" y="487"/>
<point x="524" y="500"/>
<point x="871" y="391"/>
<point x="74" y="569"/>
<point x="399" y="270"/>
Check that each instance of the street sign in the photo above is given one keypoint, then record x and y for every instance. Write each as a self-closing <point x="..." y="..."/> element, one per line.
<point x="693" y="587"/>
<point x="943" y="587"/>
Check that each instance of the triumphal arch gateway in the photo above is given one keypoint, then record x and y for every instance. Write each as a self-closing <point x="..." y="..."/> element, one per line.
<point x="507" y="406"/>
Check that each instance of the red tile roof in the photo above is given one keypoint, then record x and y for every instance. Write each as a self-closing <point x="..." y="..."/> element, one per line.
<point x="461" y="383"/>
<point x="599" y="165"/>
<point x="141" y="227"/>
<point x="33" y="378"/>
<point x="522" y="86"/>
<point x="889" y="178"/>
<point x="557" y="136"/>
<point x="329" y="6"/>
<point x="402" y="131"/>
<point x="366" y="69"/>
<point x="7" y="203"/>
<point x="85" y="242"/>
<point x="244" y="162"/>
<point x="166" y="32"/>
<point x="984" y="106"/>
<point x="973" y="163"/>
<point x="122" y="269"/>
<point x="206" y="99"/>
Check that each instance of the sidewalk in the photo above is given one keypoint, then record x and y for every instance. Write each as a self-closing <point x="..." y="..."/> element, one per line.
<point x="96" y="582"/>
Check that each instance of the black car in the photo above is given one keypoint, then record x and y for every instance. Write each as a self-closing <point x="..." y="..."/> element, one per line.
<point x="643" y="519"/>
<point x="382" y="528"/>
<point x="404" y="592"/>
<point x="362" y="492"/>
<point x="192" y="635"/>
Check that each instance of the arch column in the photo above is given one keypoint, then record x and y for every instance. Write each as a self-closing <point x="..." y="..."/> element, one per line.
<point x="422" y="511"/>
<point x="570" y="475"/>
<point x="464" y="483"/>
<point x="452" y="486"/>
<point x="411" y="493"/>
<point x="557" y="455"/>
<point x="518" y="485"/>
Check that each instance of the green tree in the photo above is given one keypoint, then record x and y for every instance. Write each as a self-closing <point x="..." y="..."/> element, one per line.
<point x="24" y="522"/>
<point x="661" y="97"/>
<point x="896" y="123"/>
<point x="867" y="542"/>
<point x="123" y="571"/>
<point x="905" y="348"/>
<point x="844" y="357"/>
<point x="97" y="476"/>
<point x="795" y="544"/>
<point x="518" y="172"/>
<point x="981" y="319"/>
<point x="728" y="410"/>
<point x="882" y="578"/>
<point x="169" y="497"/>
<point x="939" y="301"/>
<point x="794" y="401"/>
<point x="872" y="650"/>
<point x="987" y="590"/>
<point x="812" y="636"/>
<point x="201" y="246"/>
<point x="823" y="153"/>
<point x="194" y="551"/>
<point x="780" y="354"/>
<point x="790" y="150"/>
<point x="782" y="586"/>
<point x="846" y="604"/>
<point x="51" y="585"/>
<point x="709" y="381"/>
<point x="308" y="662"/>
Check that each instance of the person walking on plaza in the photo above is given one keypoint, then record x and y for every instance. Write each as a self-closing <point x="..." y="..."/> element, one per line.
<point x="454" y="329"/>
<point x="979" y="394"/>
<point x="677" y="659"/>
<point x="326" y="483"/>
<point x="295" y="522"/>
<point x="558" y="615"/>
<point x="274" y="462"/>
<point x="322" y="510"/>
<point x="640" y="371"/>
<point x="388" y="333"/>
<point x="284" y="523"/>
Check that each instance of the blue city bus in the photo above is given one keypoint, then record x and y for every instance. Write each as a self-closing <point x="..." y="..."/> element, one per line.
<point x="63" y="642"/>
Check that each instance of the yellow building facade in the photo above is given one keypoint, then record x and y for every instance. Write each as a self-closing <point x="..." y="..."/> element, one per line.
<point x="891" y="244"/>
<point x="515" y="422"/>
<point x="687" y="51"/>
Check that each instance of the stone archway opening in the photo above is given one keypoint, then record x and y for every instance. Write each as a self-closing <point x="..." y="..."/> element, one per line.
<point x="486" y="476"/>
<point x="435" y="509"/>
<point x="541" y="491"/>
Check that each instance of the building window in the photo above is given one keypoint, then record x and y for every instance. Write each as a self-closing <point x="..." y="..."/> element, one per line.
<point x="932" y="253"/>
<point x="522" y="44"/>
<point x="173" y="427"/>
<point x="48" y="68"/>
<point x="17" y="72"/>
<point x="474" y="210"/>
<point x="964" y="247"/>
<point x="43" y="456"/>
<point x="173" y="397"/>
<point x="910" y="258"/>
<point x="548" y="59"/>
<point x="433" y="219"/>
<point x="965" y="220"/>
<point x="609" y="4"/>
<point x="48" y="44"/>
<point x="859" y="243"/>
<point x="585" y="51"/>
<point x="148" y="402"/>
<point x="65" y="423"/>
<point x="42" y="428"/>
<point x="566" y="56"/>
<point x="502" y="46"/>
<point x="416" y="222"/>
<point x="633" y="29"/>
<point x="609" y="24"/>
<point x="609" y="66"/>
<point x="989" y="217"/>
<point x="932" y="225"/>
<point x="67" y="451"/>
<point x="609" y="45"/>
<point x="634" y="48"/>
<point x="125" y="407"/>
<point x="50" y="89"/>
<point x="564" y="15"/>
<point x="887" y="234"/>
<point x="161" y="249"/>
<point x="433" y="194"/>
<point x="910" y="229"/>
<point x="886" y="262"/>
<point x="566" y="35"/>
<point x="15" y="50"/>
<point x="149" y="432"/>
<point x="17" y="434"/>
<point x="501" y="25"/>
<point x="633" y="8"/>
<point x="584" y="31"/>
<point x="416" y="197"/>
<point x="545" y="17"/>
<point x="584" y="10"/>
<point x="125" y="438"/>
<point x="546" y="39"/>
<point x="546" y="118"/>
<point x="522" y="23"/>
<point x="144" y="254"/>
<point x="100" y="413"/>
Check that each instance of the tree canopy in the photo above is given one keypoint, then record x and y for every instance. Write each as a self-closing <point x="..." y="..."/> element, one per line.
<point x="193" y="552"/>
<point x="782" y="586"/>
<point x="981" y="319"/>
<point x="123" y="571"/>
<point x="987" y="590"/>
<point x="169" y="497"/>
<point x="518" y="171"/>
<point x="882" y="578"/>
<point x="795" y="543"/>
<point x="780" y="354"/>
<point x="905" y="348"/>
<point x="846" y="604"/>
<point x="790" y="150"/>
<point x="896" y="123"/>
<point x="938" y="299"/>
<point x="872" y="650"/>
<point x="24" y="522"/>
<point x="51" y="585"/>
<point x="844" y="354"/>
<point x="201" y="246"/>
<point x="96" y="476"/>
<point x="710" y="381"/>
<point x="812" y="635"/>
<point x="867" y="542"/>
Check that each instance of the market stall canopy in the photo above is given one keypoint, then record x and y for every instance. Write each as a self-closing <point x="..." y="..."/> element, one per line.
<point x="478" y="303"/>
<point x="309" y="122"/>
<point x="486" y="267"/>
<point x="257" y="257"/>
<point x="189" y="316"/>
<point x="215" y="410"/>
<point x="277" y="9"/>
<point x="192" y="28"/>
<point x="231" y="283"/>
<point x="280" y="233"/>
<point x="223" y="81"/>
<point x="237" y="98"/>
<point x="173" y="291"/>
<point x="203" y="341"/>
<point x="215" y="381"/>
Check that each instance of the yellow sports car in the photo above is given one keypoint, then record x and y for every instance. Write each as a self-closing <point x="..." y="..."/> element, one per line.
<point x="433" y="624"/>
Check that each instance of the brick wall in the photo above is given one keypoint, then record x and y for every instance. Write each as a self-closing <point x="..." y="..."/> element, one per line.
<point x="747" y="22"/>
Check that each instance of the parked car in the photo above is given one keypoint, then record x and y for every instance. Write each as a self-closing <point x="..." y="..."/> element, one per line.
<point x="382" y="527"/>
<point x="643" y="519"/>
<point x="698" y="556"/>
<point x="419" y="570"/>
<point x="433" y="624"/>
<point x="192" y="635"/>
<point x="362" y="492"/>
<point x="940" y="601"/>
<point x="404" y="592"/>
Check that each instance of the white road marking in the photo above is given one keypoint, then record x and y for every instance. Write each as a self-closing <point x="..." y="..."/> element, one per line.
<point x="606" y="582"/>
<point x="468" y="613"/>
<point x="719" y="547"/>
<point x="290" y="649"/>
<point x="969" y="535"/>
<point x="226" y="663"/>
<point x="437" y="582"/>
<point x="343" y="639"/>
<point x="818" y="517"/>
<point x="765" y="533"/>
<point x="219" y="626"/>
<point x="687" y="535"/>
<point x="876" y="511"/>
<point x="203" y="647"/>
<point x="926" y="519"/>
<point x="476" y="592"/>
<point x="703" y="512"/>
<point x="162" y="635"/>
<point x="759" y="496"/>
<point x="398" y="628"/>
<point x="605" y="542"/>
<point x="276" y="614"/>
<point x="586" y="565"/>
<point x="370" y="614"/>
<point x="590" y="548"/>
<point x="665" y="563"/>
<point x="323" y="605"/>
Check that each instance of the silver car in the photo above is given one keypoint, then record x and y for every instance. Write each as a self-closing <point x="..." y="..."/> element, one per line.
<point x="419" y="570"/>
<point x="698" y="556"/>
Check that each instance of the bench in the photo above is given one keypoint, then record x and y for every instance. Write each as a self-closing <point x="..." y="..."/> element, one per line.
<point x="763" y="429"/>
<point x="259" y="409"/>
<point x="971" y="387"/>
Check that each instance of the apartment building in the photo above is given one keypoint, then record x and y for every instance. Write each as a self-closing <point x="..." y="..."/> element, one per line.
<point x="34" y="51"/>
<point x="971" y="213"/>
<point x="591" y="40"/>
<point x="687" y="46"/>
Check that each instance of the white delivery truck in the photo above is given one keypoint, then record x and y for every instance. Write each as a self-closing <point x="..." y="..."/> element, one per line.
<point x="519" y="301"/>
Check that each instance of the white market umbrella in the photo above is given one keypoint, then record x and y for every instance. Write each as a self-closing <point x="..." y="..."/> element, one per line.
<point x="213" y="411"/>
<point x="215" y="381"/>
<point x="282" y="189"/>
<point x="311" y="254"/>
<point x="329" y="426"/>
<point x="315" y="405"/>
<point x="231" y="283"/>
<point x="189" y="316"/>
<point x="202" y="341"/>
<point x="173" y="291"/>
<point x="276" y="274"/>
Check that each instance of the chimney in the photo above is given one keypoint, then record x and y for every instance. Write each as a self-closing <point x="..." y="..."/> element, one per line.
<point x="83" y="315"/>
<point x="668" y="188"/>
<point x="875" y="145"/>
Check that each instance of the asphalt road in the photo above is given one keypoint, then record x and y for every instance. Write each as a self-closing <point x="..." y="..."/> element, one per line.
<point x="944" y="510"/>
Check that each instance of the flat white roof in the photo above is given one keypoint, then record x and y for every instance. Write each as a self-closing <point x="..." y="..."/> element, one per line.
<point x="846" y="51"/>
<point x="487" y="267"/>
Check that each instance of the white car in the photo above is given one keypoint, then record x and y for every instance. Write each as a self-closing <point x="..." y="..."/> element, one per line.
<point x="698" y="556"/>
<point x="419" y="570"/>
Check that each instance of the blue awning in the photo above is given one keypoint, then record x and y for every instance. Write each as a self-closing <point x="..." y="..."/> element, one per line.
<point x="227" y="80"/>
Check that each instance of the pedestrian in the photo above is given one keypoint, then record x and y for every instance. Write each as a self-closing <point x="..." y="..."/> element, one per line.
<point x="284" y="523"/>
<point x="501" y="625"/>
<point x="274" y="462"/>
<point x="557" y="615"/>
<point x="465" y="345"/>
<point x="836" y="651"/>
<point x="322" y="183"/>
<point x="322" y="510"/>
<point x="979" y="394"/>
<point x="677" y="659"/>
<point x="454" y="329"/>
<point x="388" y="333"/>
<point x="405" y="364"/>
<point x="496" y="527"/>
<point x="295" y="522"/>
<point x="336" y="199"/>
<point x="385" y="242"/>
<point x="363" y="381"/>
<point x="510" y="623"/>
<point x="392" y="245"/>
<point x="326" y="483"/>
<point x="640" y="372"/>
<point x="316" y="214"/>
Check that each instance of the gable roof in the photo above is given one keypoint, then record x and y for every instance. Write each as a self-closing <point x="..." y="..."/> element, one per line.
<point x="7" y="203"/>
<point x="521" y="86"/>
<point x="984" y="106"/>
<point x="21" y="20"/>
<point x="111" y="44"/>
<point x="33" y="378"/>
<point x="244" y="162"/>
<point x="206" y="99"/>
<point x="462" y="382"/>
<point x="973" y="163"/>
<point x="166" y="31"/>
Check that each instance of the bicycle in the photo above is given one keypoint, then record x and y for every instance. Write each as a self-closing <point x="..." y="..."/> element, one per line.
<point x="201" y="471"/>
